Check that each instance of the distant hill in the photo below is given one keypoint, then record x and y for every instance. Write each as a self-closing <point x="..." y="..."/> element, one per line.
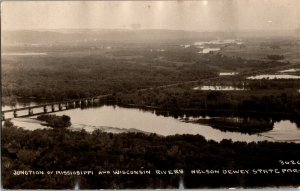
<point x="68" y="36"/>
<point x="119" y="35"/>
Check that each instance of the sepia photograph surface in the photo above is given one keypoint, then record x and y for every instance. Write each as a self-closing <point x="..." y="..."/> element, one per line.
<point x="150" y="94"/>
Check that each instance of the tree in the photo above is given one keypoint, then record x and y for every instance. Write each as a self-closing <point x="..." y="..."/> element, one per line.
<point x="8" y="123"/>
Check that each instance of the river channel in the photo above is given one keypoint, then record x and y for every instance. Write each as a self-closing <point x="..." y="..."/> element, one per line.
<point x="116" y="119"/>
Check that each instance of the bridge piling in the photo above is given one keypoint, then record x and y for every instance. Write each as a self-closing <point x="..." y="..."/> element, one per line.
<point x="15" y="113"/>
<point x="45" y="109"/>
<point x="81" y="102"/>
<point x="89" y="101"/>
<point x="30" y="112"/>
<point x="78" y="103"/>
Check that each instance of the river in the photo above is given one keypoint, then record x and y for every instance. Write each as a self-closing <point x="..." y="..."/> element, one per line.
<point x="118" y="119"/>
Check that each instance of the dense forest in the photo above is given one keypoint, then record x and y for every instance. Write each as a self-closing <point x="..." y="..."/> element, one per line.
<point x="243" y="125"/>
<point x="55" y="121"/>
<point x="65" y="150"/>
<point x="74" y="71"/>
<point x="72" y="77"/>
<point x="181" y="98"/>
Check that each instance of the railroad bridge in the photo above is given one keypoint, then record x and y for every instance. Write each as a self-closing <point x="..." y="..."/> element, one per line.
<point x="61" y="105"/>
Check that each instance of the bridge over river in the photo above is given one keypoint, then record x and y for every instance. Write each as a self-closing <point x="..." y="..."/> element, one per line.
<point x="69" y="104"/>
<point x="74" y="103"/>
<point x="54" y="106"/>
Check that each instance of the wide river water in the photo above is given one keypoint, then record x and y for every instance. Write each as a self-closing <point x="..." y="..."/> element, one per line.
<point x="117" y="119"/>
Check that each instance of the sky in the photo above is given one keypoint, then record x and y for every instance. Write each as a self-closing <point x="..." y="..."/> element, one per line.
<point x="201" y="15"/>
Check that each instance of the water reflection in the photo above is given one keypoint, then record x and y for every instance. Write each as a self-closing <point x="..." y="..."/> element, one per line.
<point x="228" y="73"/>
<point x="208" y="50"/>
<point x="273" y="76"/>
<point x="218" y="88"/>
<point x="185" y="45"/>
<point x="214" y="45"/>
<point x="112" y="119"/>
<point x="118" y="119"/>
<point x="237" y="124"/>
<point x="284" y="131"/>
<point x="219" y="42"/>
<point x="289" y="70"/>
